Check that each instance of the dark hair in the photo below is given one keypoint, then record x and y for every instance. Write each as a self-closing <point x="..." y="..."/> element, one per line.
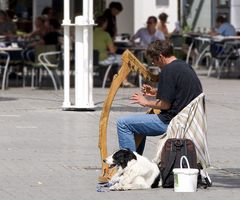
<point x="116" y="5"/>
<point x="220" y="19"/>
<point x="153" y="18"/>
<point x="55" y="23"/>
<point x="100" y="20"/>
<point x="163" y="17"/>
<point x="158" y="47"/>
<point x="46" y="10"/>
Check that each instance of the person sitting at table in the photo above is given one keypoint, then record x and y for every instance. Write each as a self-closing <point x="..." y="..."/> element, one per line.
<point x="103" y="43"/>
<point x="40" y="29"/>
<point x="7" y="27"/>
<point x="162" y="26"/>
<point x="148" y="34"/>
<point x="52" y="37"/>
<point x="223" y="28"/>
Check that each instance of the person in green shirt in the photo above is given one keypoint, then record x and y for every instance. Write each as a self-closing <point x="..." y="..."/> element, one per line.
<point x="103" y="43"/>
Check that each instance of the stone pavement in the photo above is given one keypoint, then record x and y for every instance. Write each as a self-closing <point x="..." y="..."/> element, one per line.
<point x="50" y="154"/>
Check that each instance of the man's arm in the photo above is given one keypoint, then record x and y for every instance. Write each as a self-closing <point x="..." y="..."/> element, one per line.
<point x="138" y="98"/>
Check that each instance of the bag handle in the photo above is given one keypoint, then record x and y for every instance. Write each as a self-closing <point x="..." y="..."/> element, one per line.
<point x="181" y="162"/>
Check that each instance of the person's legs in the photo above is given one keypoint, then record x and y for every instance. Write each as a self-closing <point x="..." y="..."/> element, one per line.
<point x="141" y="146"/>
<point x="144" y="125"/>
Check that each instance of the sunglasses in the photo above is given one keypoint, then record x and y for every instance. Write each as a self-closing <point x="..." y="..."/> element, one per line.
<point x="150" y="22"/>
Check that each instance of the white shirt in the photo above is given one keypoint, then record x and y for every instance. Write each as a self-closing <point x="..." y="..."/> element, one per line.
<point x="146" y="38"/>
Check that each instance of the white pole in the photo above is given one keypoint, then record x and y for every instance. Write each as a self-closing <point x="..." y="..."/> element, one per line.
<point x="90" y="49"/>
<point x="80" y="82"/>
<point x="66" y="23"/>
<point x="83" y="58"/>
<point x="90" y="11"/>
<point x="66" y="11"/>
<point x="86" y="9"/>
<point x="90" y="63"/>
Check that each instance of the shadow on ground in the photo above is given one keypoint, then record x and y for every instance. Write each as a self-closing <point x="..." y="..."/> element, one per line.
<point x="8" y="99"/>
<point x="227" y="178"/>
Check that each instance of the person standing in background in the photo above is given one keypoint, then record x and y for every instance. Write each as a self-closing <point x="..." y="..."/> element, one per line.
<point x="162" y="24"/>
<point x="110" y="13"/>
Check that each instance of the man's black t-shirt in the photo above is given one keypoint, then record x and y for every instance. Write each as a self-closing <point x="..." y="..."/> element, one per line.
<point x="178" y="85"/>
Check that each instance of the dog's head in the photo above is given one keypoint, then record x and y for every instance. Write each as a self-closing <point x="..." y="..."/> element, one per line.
<point x="120" y="158"/>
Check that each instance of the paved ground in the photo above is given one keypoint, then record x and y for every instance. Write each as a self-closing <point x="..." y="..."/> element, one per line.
<point x="48" y="154"/>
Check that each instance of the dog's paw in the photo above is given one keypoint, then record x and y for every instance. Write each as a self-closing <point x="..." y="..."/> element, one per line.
<point x="117" y="187"/>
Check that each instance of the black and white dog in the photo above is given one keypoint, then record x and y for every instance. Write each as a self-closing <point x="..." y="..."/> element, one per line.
<point x="133" y="171"/>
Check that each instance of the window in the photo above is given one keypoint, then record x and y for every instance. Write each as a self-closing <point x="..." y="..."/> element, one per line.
<point x="162" y="2"/>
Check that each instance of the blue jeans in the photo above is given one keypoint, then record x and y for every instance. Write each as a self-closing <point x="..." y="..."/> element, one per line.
<point x="144" y="125"/>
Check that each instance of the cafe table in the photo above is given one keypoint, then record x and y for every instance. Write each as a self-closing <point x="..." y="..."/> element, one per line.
<point x="205" y="41"/>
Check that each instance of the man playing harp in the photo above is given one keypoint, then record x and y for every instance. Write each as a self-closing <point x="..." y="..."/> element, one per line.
<point x="178" y="85"/>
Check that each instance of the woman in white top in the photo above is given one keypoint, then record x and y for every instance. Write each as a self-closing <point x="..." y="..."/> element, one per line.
<point x="148" y="34"/>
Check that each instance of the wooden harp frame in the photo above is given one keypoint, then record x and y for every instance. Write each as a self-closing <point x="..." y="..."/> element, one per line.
<point x="129" y="63"/>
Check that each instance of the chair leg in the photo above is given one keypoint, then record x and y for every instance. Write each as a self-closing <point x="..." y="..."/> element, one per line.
<point x="52" y="77"/>
<point x="5" y="74"/>
<point x="58" y="80"/>
<point x="106" y="76"/>
<point x="211" y="66"/>
<point x="32" y="78"/>
<point x="24" y="76"/>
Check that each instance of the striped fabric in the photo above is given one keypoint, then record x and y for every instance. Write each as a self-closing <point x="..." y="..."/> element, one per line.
<point x="191" y="124"/>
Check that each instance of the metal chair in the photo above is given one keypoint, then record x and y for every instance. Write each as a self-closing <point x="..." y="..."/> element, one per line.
<point x="224" y="55"/>
<point x="5" y="59"/>
<point x="47" y="57"/>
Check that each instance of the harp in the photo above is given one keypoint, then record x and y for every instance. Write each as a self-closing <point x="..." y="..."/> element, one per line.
<point x="129" y="63"/>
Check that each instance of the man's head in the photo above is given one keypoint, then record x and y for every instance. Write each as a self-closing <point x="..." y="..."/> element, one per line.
<point x="101" y="21"/>
<point x="159" y="51"/>
<point x="220" y="20"/>
<point x="151" y="22"/>
<point x="115" y="7"/>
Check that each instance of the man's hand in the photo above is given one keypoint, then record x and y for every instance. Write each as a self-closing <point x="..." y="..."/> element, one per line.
<point x="138" y="98"/>
<point x="148" y="90"/>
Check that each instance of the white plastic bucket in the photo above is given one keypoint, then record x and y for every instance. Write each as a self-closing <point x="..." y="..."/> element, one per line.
<point x="185" y="179"/>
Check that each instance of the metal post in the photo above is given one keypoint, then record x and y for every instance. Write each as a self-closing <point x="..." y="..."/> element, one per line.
<point x="83" y="59"/>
